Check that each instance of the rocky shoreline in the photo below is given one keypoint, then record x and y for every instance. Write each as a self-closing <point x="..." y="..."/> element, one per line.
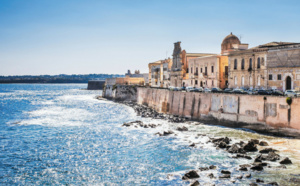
<point x="247" y="150"/>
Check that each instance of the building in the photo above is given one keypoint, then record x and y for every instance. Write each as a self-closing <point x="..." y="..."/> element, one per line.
<point x="283" y="65"/>
<point x="159" y="73"/>
<point x="208" y="71"/>
<point x="179" y="71"/>
<point x="266" y="66"/>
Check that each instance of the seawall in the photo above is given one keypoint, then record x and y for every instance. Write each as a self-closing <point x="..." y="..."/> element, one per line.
<point x="229" y="109"/>
<point x="95" y="85"/>
<point x="120" y="92"/>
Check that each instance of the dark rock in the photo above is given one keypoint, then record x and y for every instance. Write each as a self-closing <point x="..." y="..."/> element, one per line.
<point x="167" y="133"/>
<point x="203" y="168"/>
<point x="132" y="123"/>
<point x="225" y="140"/>
<point x="212" y="167"/>
<point x="225" y="176"/>
<point x="286" y="161"/>
<point x="272" y="156"/>
<point x="257" y="160"/>
<point x="259" y="181"/>
<point x="191" y="175"/>
<point x="225" y="172"/>
<point x="257" y="167"/>
<point x="235" y="149"/>
<point x="211" y="176"/>
<point x="273" y="183"/>
<point x="239" y="177"/>
<point x="250" y="147"/>
<point x="242" y="156"/>
<point x="255" y="141"/>
<point x="243" y="169"/>
<point x="245" y="165"/>
<point x="192" y="145"/>
<point x="233" y="181"/>
<point x="252" y="184"/>
<point x="196" y="183"/>
<point x="267" y="150"/>
<point x="263" y="143"/>
<point x="247" y="175"/>
<point x="182" y="128"/>
<point x="222" y="145"/>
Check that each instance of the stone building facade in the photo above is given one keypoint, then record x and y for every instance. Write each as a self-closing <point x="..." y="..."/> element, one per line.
<point x="208" y="71"/>
<point x="284" y="66"/>
<point x="179" y="75"/>
<point x="159" y="73"/>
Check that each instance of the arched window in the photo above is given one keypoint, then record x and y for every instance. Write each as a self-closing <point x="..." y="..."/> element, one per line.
<point x="250" y="64"/>
<point x="235" y="64"/>
<point x="243" y="81"/>
<point x="258" y="62"/>
<point x="243" y="64"/>
<point x="235" y="80"/>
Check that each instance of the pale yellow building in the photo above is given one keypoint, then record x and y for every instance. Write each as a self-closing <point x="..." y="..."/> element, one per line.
<point x="159" y="73"/>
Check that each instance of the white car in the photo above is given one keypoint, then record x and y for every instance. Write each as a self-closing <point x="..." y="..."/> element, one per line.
<point x="206" y="90"/>
<point x="292" y="93"/>
<point x="189" y="89"/>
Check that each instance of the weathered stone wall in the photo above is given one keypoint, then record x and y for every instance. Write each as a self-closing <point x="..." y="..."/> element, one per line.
<point x="250" y="109"/>
<point x="95" y="85"/>
<point x="120" y="92"/>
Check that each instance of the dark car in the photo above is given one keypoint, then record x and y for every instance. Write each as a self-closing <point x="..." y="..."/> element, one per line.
<point x="228" y="90"/>
<point x="264" y="92"/>
<point x="239" y="91"/>
<point x="182" y="88"/>
<point x="277" y="93"/>
<point x="216" y="90"/>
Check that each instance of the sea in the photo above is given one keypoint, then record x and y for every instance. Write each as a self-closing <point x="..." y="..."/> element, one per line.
<point x="60" y="134"/>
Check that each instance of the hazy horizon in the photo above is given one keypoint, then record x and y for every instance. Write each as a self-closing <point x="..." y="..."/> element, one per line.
<point x="109" y="37"/>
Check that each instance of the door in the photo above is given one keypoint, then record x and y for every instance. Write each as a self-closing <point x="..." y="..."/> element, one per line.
<point x="288" y="83"/>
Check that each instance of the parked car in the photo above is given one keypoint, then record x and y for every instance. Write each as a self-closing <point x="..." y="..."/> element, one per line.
<point x="216" y="90"/>
<point x="228" y="90"/>
<point x="239" y="91"/>
<point x="252" y="91"/>
<point x="171" y="88"/>
<point x="183" y="88"/>
<point x="190" y="89"/>
<point x="292" y="93"/>
<point x="200" y="89"/>
<point x="277" y="93"/>
<point x="206" y="90"/>
<point x="264" y="92"/>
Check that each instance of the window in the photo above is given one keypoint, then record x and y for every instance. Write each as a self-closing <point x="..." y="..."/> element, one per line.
<point x="196" y="82"/>
<point x="270" y="77"/>
<point x="243" y="81"/>
<point x="212" y="69"/>
<point x="205" y="70"/>
<point x="201" y="70"/>
<point x="243" y="64"/>
<point x="196" y="71"/>
<point x="191" y="82"/>
<point x="250" y="64"/>
<point x="279" y="77"/>
<point x="191" y="70"/>
<point x="212" y="83"/>
<point x="235" y="64"/>
<point x="258" y="62"/>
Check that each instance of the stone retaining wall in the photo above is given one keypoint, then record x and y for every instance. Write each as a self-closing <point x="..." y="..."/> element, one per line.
<point x="234" y="108"/>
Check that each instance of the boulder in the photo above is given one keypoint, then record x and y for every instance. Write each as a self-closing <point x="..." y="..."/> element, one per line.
<point x="267" y="150"/>
<point x="235" y="149"/>
<point x="190" y="175"/>
<point x="222" y="145"/>
<point x="225" y="172"/>
<point x="196" y="183"/>
<point x="272" y="156"/>
<point x="255" y="141"/>
<point x="247" y="175"/>
<point x="257" y="167"/>
<point x="243" y="169"/>
<point x="224" y="176"/>
<point x="245" y="165"/>
<point x="273" y="183"/>
<point x="252" y="184"/>
<point x="259" y="181"/>
<point x="250" y="147"/>
<point x="212" y="167"/>
<point x="263" y="143"/>
<point x="203" y="168"/>
<point x="192" y="145"/>
<point x="211" y="175"/>
<point x="286" y="161"/>
<point x="239" y="177"/>
<point x="182" y="128"/>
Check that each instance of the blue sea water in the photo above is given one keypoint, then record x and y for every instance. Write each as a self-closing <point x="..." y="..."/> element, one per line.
<point x="58" y="134"/>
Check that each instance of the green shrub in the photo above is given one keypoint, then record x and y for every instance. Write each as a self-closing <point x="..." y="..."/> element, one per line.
<point x="289" y="100"/>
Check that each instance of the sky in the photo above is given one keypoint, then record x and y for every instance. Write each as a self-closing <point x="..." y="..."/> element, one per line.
<point x="51" y="37"/>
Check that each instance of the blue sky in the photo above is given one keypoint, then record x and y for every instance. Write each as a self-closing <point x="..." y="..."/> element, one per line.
<point x="94" y="36"/>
